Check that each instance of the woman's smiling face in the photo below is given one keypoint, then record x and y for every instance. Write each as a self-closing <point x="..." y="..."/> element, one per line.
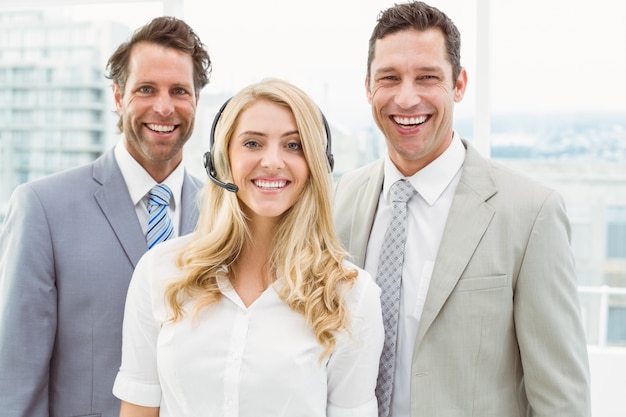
<point x="267" y="160"/>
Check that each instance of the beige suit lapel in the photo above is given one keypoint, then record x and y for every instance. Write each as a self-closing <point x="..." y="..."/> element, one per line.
<point x="362" y="219"/>
<point x="468" y="219"/>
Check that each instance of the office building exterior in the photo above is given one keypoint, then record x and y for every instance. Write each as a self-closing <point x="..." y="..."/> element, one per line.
<point x="56" y="108"/>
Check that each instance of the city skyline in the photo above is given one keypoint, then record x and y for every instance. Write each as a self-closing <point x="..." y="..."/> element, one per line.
<point x="547" y="57"/>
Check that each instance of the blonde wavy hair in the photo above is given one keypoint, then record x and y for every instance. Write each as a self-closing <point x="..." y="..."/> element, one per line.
<point x="306" y="255"/>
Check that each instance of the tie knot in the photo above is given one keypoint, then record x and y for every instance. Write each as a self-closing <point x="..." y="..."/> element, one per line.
<point x="160" y="195"/>
<point x="402" y="191"/>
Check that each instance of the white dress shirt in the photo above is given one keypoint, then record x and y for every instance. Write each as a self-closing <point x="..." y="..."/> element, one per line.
<point x="139" y="184"/>
<point x="426" y="218"/>
<point x="259" y="361"/>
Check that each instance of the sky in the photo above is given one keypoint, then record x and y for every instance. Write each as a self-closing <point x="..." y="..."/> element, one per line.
<point x="546" y="55"/>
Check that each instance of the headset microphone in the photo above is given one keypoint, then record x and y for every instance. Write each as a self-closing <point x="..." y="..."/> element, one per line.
<point x="208" y="165"/>
<point x="208" y="159"/>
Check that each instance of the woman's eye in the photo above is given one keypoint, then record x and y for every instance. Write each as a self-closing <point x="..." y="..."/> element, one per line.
<point x="251" y="144"/>
<point x="295" y="146"/>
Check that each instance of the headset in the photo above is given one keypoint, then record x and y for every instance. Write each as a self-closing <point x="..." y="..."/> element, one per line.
<point x="208" y="159"/>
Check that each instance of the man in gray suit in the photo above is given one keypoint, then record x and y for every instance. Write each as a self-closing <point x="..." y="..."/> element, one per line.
<point x="489" y="321"/>
<point x="71" y="240"/>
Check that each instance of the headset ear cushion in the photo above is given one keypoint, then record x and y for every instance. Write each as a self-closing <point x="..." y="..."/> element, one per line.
<point x="329" y="153"/>
<point x="208" y="163"/>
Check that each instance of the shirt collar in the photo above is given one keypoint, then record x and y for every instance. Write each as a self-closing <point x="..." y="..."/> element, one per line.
<point x="139" y="182"/>
<point x="431" y="181"/>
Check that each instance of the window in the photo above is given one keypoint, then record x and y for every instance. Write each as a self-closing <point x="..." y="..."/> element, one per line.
<point x="24" y="75"/>
<point x="22" y="117"/>
<point x="34" y="38"/>
<point x="58" y="36"/>
<point x="617" y="323"/>
<point x="32" y="54"/>
<point x="85" y="54"/>
<point x="22" y="97"/>
<point x="14" y="38"/>
<point x="616" y="232"/>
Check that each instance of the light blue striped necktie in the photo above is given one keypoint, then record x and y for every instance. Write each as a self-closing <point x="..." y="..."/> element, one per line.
<point x="160" y="225"/>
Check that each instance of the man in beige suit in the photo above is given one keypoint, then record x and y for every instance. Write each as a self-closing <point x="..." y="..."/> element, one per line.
<point x="489" y="321"/>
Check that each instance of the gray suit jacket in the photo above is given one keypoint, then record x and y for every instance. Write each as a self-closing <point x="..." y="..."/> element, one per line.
<point x="500" y="333"/>
<point x="67" y="252"/>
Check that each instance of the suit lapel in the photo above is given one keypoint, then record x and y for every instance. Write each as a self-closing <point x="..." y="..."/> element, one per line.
<point x="469" y="217"/>
<point x="362" y="218"/>
<point x="117" y="207"/>
<point x="189" y="215"/>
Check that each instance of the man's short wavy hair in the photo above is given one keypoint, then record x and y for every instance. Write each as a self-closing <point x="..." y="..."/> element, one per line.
<point x="168" y="32"/>
<point x="419" y="16"/>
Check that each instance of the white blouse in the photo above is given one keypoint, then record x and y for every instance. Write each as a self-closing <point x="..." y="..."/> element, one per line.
<point x="233" y="361"/>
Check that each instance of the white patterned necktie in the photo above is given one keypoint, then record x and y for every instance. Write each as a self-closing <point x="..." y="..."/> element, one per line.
<point x="160" y="226"/>
<point x="389" y="278"/>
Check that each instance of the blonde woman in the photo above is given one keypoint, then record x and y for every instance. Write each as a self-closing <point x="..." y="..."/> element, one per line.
<point x="257" y="313"/>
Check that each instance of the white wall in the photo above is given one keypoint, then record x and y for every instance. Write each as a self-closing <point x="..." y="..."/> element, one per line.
<point x="608" y="381"/>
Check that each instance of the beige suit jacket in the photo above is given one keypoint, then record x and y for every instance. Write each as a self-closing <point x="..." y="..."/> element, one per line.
<point x="500" y="333"/>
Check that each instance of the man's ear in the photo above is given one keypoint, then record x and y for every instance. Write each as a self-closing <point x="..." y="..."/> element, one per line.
<point x="117" y="95"/>
<point x="461" y="85"/>
<point x="368" y="93"/>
